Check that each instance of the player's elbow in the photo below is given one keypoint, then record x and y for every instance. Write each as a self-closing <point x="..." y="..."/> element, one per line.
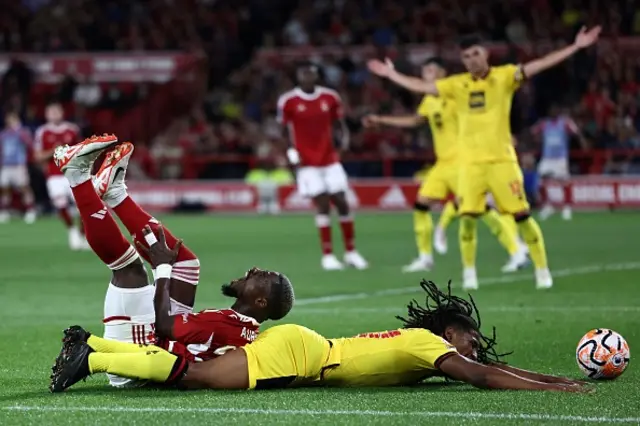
<point x="479" y="379"/>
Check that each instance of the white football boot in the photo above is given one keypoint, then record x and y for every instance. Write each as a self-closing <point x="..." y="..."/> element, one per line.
<point x="422" y="263"/>
<point x="440" y="241"/>
<point x="109" y="181"/>
<point x="516" y="262"/>
<point x="30" y="217"/>
<point x="331" y="263"/>
<point x="469" y="279"/>
<point x="355" y="260"/>
<point x="544" y="279"/>
<point x="5" y="217"/>
<point x="566" y="213"/>
<point x="546" y="212"/>
<point x="77" y="160"/>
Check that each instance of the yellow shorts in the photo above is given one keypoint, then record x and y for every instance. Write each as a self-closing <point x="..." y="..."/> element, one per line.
<point x="441" y="180"/>
<point x="503" y="180"/>
<point x="286" y="356"/>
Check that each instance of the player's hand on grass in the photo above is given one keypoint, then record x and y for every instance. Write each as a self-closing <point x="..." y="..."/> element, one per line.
<point x="586" y="38"/>
<point x="158" y="252"/>
<point x="379" y="68"/>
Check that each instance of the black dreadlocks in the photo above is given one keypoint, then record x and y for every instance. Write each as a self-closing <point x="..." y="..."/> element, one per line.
<point x="442" y="310"/>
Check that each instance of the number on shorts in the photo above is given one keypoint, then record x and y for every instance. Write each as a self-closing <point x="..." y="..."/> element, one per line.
<point x="516" y="189"/>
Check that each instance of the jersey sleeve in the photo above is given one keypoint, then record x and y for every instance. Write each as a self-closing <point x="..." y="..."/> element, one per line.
<point x="282" y="111"/>
<point x="432" y="350"/>
<point x="338" y="107"/>
<point x="446" y="87"/>
<point x="196" y="327"/>
<point x="512" y="76"/>
<point x="423" y="108"/>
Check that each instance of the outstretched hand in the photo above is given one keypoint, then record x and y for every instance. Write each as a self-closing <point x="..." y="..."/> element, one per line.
<point x="586" y="38"/>
<point x="158" y="252"/>
<point x="379" y="68"/>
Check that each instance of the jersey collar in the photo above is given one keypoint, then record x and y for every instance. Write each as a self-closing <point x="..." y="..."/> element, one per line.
<point x="484" y="77"/>
<point x="307" y="96"/>
<point x="246" y="318"/>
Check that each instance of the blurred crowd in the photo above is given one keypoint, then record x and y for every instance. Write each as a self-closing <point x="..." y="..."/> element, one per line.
<point x="599" y="89"/>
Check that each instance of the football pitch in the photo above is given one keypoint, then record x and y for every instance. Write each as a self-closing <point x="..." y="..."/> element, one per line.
<point x="45" y="288"/>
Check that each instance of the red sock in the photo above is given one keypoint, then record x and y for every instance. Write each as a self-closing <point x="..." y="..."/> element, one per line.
<point x="348" y="233"/>
<point x="135" y="219"/>
<point x="65" y="216"/>
<point x="101" y="230"/>
<point x="323" y="223"/>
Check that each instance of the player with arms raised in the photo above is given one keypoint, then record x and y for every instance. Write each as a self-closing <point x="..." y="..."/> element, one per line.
<point x="483" y="98"/>
<point x="54" y="133"/>
<point x="309" y="113"/>
<point x="555" y="133"/>
<point x="129" y="312"/>
<point x="15" y="142"/>
<point x="442" y="178"/>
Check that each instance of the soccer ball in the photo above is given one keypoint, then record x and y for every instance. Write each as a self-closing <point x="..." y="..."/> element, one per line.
<point x="602" y="354"/>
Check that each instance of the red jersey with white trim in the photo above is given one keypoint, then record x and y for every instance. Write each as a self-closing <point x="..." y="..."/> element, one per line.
<point x="210" y="333"/>
<point x="310" y="117"/>
<point x="49" y="136"/>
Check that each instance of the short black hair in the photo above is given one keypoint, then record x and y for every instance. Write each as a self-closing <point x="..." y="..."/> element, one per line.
<point x="435" y="60"/>
<point x="442" y="310"/>
<point x="469" y="40"/>
<point x="281" y="296"/>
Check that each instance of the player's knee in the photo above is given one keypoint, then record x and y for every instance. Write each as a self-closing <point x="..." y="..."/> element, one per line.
<point x="522" y="216"/>
<point x="421" y="206"/>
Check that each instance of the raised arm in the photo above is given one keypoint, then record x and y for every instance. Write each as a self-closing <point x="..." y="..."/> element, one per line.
<point x="162" y="260"/>
<point x="387" y="70"/>
<point x="482" y="376"/>
<point x="584" y="38"/>
<point x="405" y="121"/>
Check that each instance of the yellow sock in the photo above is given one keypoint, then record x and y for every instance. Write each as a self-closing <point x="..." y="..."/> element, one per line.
<point x="501" y="230"/>
<point x="468" y="241"/>
<point x="510" y="221"/>
<point x="155" y="365"/>
<point x="449" y="212"/>
<point x="532" y="235"/>
<point x="423" y="228"/>
<point x="107" y="346"/>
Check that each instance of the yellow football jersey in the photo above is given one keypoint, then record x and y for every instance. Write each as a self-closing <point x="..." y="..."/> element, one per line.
<point x="441" y="113"/>
<point x="483" y="109"/>
<point x="389" y="358"/>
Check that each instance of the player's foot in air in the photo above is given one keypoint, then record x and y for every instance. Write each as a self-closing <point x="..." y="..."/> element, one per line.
<point x="420" y="264"/>
<point x="516" y="262"/>
<point x="109" y="181"/>
<point x="469" y="279"/>
<point x="546" y="212"/>
<point x="355" y="260"/>
<point x="71" y="367"/>
<point x="566" y="213"/>
<point x="544" y="279"/>
<point x="331" y="263"/>
<point x="81" y="156"/>
<point x="440" y="241"/>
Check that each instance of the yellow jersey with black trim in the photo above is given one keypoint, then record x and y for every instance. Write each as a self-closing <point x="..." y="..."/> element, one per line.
<point x="483" y="108"/>
<point x="386" y="358"/>
<point x="441" y="113"/>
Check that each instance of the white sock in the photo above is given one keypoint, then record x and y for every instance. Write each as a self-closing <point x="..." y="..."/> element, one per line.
<point x="115" y="196"/>
<point x="129" y="316"/>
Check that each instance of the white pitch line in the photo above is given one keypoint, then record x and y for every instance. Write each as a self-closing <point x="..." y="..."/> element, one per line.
<point x="531" y="309"/>
<point x="505" y="279"/>
<point x="441" y="414"/>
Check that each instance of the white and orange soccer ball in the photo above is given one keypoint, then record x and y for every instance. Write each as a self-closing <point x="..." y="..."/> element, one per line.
<point x="602" y="354"/>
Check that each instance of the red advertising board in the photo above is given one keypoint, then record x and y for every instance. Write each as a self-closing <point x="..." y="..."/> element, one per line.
<point x="591" y="192"/>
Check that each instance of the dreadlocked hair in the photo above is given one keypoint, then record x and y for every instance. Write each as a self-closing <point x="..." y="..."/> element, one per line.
<point x="441" y="310"/>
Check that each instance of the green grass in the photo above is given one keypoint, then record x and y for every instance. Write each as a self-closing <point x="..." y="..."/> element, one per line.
<point x="44" y="288"/>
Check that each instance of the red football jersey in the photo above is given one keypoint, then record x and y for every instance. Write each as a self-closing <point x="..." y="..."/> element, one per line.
<point x="310" y="118"/>
<point x="49" y="136"/>
<point x="210" y="333"/>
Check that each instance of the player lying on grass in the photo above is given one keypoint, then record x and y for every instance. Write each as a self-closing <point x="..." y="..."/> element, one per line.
<point x="440" y="339"/>
<point x="129" y="306"/>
